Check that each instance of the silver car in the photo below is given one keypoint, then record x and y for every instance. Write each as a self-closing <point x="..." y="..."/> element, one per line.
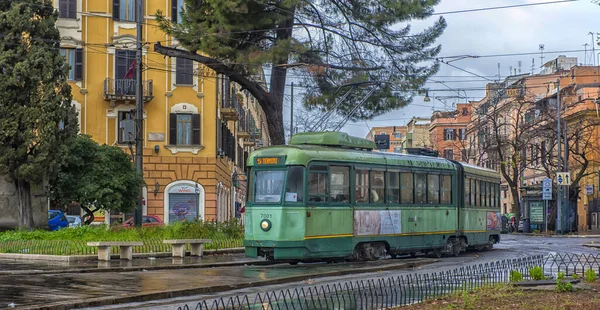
<point x="74" y="221"/>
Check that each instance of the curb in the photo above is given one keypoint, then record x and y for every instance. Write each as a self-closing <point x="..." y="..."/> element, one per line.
<point x="559" y="236"/>
<point x="81" y="258"/>
<point x="142" y="297"/>
<point x="592" y="245"/>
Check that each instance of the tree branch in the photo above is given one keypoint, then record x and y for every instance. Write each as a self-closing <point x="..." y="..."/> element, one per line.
<point x="220" y="68"/>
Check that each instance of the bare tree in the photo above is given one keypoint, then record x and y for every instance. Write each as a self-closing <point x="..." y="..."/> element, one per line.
<point x="306" y="120"/>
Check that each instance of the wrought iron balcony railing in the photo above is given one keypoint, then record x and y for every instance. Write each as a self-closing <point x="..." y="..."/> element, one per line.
<point x="125" y="89"/>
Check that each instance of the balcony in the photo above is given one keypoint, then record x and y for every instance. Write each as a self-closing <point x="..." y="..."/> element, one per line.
<point x="243" y="124"/>
<point x="231" y="109"/>
<point x="125" y="89"/>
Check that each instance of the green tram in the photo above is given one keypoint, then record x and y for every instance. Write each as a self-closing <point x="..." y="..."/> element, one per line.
<point x="329" y="196"/>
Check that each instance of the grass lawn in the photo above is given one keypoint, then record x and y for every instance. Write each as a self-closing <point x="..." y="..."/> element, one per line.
<point x="73" y="241"/>
<point x="506" y="297"/>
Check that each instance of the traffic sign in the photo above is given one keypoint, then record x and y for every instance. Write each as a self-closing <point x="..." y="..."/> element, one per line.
<point x="547" y="189"/>
<point x="563" y="178"/>
<point x="547" y="183"/>
<point x="589" y="189"/>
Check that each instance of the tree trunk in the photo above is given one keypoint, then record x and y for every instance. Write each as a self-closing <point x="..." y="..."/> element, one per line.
<point x="274" y="116"/>
<point x="517" y="209"/>
<point x="278" y="77"/>
<point x="25" y="208"/>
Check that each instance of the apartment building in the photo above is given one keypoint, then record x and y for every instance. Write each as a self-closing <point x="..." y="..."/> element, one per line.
<point x="396" y="134"/>
<point x="198" y="128"/>
<point x="448" y="132"/>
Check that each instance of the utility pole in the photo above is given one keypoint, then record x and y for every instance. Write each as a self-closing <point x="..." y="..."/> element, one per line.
<point x="292" y="113"/>
<point x="559" y="187"/>
<point x="139" y="108"/>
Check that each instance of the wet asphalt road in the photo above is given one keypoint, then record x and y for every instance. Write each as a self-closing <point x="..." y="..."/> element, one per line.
<point x="510" y="247"/>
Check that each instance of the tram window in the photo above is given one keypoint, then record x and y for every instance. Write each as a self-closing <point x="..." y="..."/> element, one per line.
<point x="481" y="193"/>
<point x="493" y="195"/>
<point x="433" y="189"/>
<point x="467" y="191"/>
<point x="268" y="186"/>
<point x="393" y="184"/>
<point x="339" y="178"/>
<point x="361" y="193"/>
<point x="420" y="188"/>
<point x="317" y="184"/>
<point x="473" y="200"/>
<point x="294" y="188"/>
<point x="377" y="187"/>
<point x="486" y="194"/>
<point x="446" y="190"/>
<point x="477" y="195"/>
<point x="407" y="187"/>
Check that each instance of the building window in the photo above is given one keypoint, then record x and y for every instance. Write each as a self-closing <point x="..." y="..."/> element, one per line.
<point x="184" y="129"/>
<point x="462" y="134"/>
<point x="123" y="61"/>
<point x="126" y="128"/>
<point x="124" y="10"/>
<point x="449" y="154"/>
<point x="74" y="58"/>
<point x="184" y="71"/>
<point x="398" y="135"/>
<point x="449" y="134"/>
<point x="465" y="111"/>
<point x="176" y="10"/>
<point x="67" y="9"/>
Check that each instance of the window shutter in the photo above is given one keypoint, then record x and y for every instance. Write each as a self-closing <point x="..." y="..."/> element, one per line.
<point x="78" y="64"/>
<point x="116" y="9"/>
<point x="453" y="134"/>
<point x="173" y="129"/>
<point x="63" y="9"/>
<point x="196" y="129"/>
<point x="174" y="11"/>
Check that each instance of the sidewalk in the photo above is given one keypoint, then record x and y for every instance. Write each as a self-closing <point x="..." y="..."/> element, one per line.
<point x="69" y="290"/>
<point x="38" y="267"/>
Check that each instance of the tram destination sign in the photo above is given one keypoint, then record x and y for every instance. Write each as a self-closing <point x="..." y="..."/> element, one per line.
<point x="261" y="161"/>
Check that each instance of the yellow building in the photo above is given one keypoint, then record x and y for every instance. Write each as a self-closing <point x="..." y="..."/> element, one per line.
<point x="196" y="136"/>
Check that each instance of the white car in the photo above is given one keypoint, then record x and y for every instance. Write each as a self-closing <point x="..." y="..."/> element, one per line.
<point x="74" y="221"/>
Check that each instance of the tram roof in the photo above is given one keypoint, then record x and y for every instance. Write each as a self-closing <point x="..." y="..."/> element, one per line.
<point x="304" y="154"/>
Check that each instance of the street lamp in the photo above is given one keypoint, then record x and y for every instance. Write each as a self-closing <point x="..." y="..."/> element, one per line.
<point x="426" y="99"/>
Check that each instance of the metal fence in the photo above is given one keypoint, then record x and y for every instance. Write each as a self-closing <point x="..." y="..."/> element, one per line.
<point x="78" y="247"/>
<point x="379" y="293"/>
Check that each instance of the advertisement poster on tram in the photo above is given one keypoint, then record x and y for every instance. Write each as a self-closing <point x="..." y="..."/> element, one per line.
<point x="377" y="222"/>
<point x="494" y="221"/>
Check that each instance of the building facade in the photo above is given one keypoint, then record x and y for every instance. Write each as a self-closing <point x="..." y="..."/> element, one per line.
<point x="396" y="134"/>
<point x="198" y="129"/>
<point x="448" y="132"/>
<point x="417" y="135"/>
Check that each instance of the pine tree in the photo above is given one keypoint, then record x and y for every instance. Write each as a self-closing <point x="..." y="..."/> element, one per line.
<point x="340" y="46"/>
<point x="37" y="119"/>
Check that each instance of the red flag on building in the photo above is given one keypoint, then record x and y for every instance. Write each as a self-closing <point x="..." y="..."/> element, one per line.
<point x="129" y="74"/>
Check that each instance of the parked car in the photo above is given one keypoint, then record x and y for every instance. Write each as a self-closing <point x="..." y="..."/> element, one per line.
<point x="147" y="221"/>
<point x="57" y="220"/>
<point x="74" y="221"/>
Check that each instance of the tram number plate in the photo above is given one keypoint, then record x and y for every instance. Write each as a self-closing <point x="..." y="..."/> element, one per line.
<point x="266" y="216"/>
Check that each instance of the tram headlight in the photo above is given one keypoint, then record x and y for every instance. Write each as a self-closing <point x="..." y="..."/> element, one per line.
<point x="265" y="225"/>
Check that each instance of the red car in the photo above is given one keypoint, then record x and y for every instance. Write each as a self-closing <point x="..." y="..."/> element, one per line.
<point x="147" y="221"/>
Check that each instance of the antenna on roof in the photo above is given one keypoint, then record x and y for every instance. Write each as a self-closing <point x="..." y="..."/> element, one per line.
<point x="520" y="64"/>
<point x="541" y="54"/>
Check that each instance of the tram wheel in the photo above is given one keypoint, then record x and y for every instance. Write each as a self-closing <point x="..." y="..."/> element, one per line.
<point x="437" y="253"/>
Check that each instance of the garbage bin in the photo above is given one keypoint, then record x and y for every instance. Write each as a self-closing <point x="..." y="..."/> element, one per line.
<point x="526" y="226"/>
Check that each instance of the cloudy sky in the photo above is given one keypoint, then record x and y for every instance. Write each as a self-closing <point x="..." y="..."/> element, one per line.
<point x="561" y="27"/>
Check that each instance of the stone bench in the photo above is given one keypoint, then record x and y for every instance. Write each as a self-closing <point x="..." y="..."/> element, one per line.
<point x="196" y="246"/>
<point x="126" y="248"/>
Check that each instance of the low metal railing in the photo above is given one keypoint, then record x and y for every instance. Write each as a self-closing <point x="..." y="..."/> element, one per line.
<point x="378" y="293"/>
